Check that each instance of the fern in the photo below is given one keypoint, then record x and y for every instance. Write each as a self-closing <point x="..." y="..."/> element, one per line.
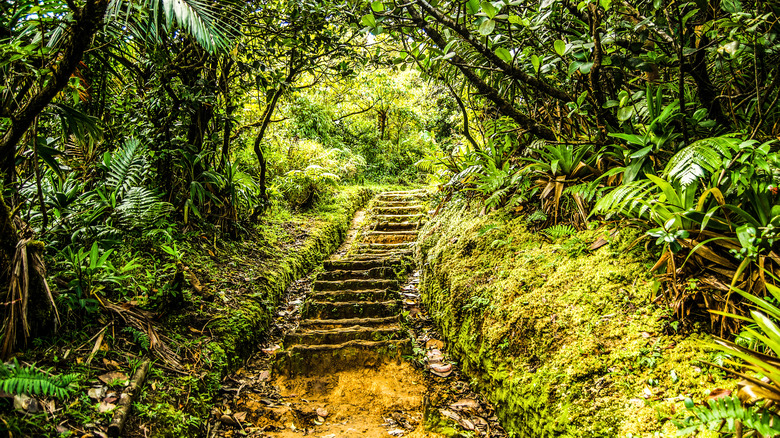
<point x="126" y="167"/>
<point x="16" y="379"/>
<point x="631" y="199"/>
<point x="560" y="230"/>
<point x="700" y="158"/>
<point x="141" y="207"/>
<point x="724" y="413"/>
<point x="536" y="216"/>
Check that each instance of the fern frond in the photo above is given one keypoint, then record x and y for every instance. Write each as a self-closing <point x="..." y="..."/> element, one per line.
<point x="141" y="207"/>
<point x="126" y="167"/>
<point x="559" y="230"/>
<point x="17" y="379"/>
<point x="700" y="158"/>
<point x="629" y="199"/>
<point x="723" y="414"/>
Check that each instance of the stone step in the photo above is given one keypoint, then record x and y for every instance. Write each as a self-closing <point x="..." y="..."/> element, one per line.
<point x="355" y="295"/>
<point x="325" y="324"/>
<point x="342" y="335"/>
<point x="399" y="217"/>
<point x="381" y="272"/>
<point x="406" y="210"/>
<point x="385" y="246"/>
<point x="390" y="236"/>
<point x="360" y="265"/>
<point x="395" y="226"/>
<point x="398" y="256"/>
<point x="355" y="284"/>
<point x="394" y="202"/>
<point x="351" y="309"/>
<point x="304" y="360"/>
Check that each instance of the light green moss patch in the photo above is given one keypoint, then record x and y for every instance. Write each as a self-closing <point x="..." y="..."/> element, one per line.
<point x="562" y="339"/>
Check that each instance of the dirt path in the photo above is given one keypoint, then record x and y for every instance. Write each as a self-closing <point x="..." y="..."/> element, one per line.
<point x="352" y="365"/>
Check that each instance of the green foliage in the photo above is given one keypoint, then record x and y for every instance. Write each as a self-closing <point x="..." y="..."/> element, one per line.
<point x="303" y="188"/>
<point x="559" y="230"/>
<point x="725" y="414"/>
<point x="18" y="379"/>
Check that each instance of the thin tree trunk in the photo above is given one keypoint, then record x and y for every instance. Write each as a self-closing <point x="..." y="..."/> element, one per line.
<point x="89" y="18"/>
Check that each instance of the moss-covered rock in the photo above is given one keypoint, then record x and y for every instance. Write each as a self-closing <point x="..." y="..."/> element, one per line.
<point x="564" y="340"/>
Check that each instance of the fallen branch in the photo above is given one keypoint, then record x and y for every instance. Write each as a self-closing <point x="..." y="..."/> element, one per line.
<point x="126" y="400"/>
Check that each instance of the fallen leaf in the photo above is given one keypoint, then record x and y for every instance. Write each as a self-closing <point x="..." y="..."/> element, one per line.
<point x="719" y="393"/>
<point x="598" y="244"/>
<point x="240" y="416"/>
<point x="434" y="344"/>
<point x="104" y="407"/>
<point x="265" y="375"/>
<point x="449" y="414"/>
<point x="227" y="419"/>
<point x="111" y="364"/>
<point x="114" y="377"/>
<point x="465" y="403"/>
<point x="468" y="425"/>
<point x="271" y="350"/>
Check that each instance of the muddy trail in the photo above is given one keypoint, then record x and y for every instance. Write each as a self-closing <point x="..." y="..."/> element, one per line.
<point x="352" y="352"/>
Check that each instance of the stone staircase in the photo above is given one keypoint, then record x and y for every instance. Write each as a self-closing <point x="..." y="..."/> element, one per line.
<point x="352" y="317"/>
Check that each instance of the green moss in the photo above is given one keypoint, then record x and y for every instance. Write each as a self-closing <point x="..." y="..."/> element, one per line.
<point x="561" y="339"/>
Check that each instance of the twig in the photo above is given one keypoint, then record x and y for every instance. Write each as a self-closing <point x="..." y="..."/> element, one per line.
<point x="98" y="343"/>
<point x="126" y="400"/>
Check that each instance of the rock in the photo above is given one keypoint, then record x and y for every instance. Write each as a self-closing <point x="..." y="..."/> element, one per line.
<point x="26" y="403"/>
<point x="322" y="412"/>
<point x="441" y="370"/>
<point x="97" y="393"/>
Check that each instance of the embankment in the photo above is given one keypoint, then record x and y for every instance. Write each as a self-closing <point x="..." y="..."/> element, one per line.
<point x="562" y="339"/>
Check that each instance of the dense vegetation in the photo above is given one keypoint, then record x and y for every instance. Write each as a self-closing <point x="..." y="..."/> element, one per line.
<point x="135" y="135"/>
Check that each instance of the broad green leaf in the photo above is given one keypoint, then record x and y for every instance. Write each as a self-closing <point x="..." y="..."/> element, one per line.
<point x="486" y="28"/>
<point x="536" y="62"/>
<point x="504" y="54"/>
<point x="731" y="6"/>
<point x="489" y="9"/>
<point x="378" y="6"/>
<point x="625" y="113"/>
<point x="368" y="20"/>
<point x="560" y="47"/>
<point x="472" y="7"/>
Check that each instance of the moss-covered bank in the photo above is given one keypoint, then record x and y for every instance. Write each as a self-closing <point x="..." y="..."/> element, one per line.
<point x="563" y="340"/>
<point x="237" y="332"/>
